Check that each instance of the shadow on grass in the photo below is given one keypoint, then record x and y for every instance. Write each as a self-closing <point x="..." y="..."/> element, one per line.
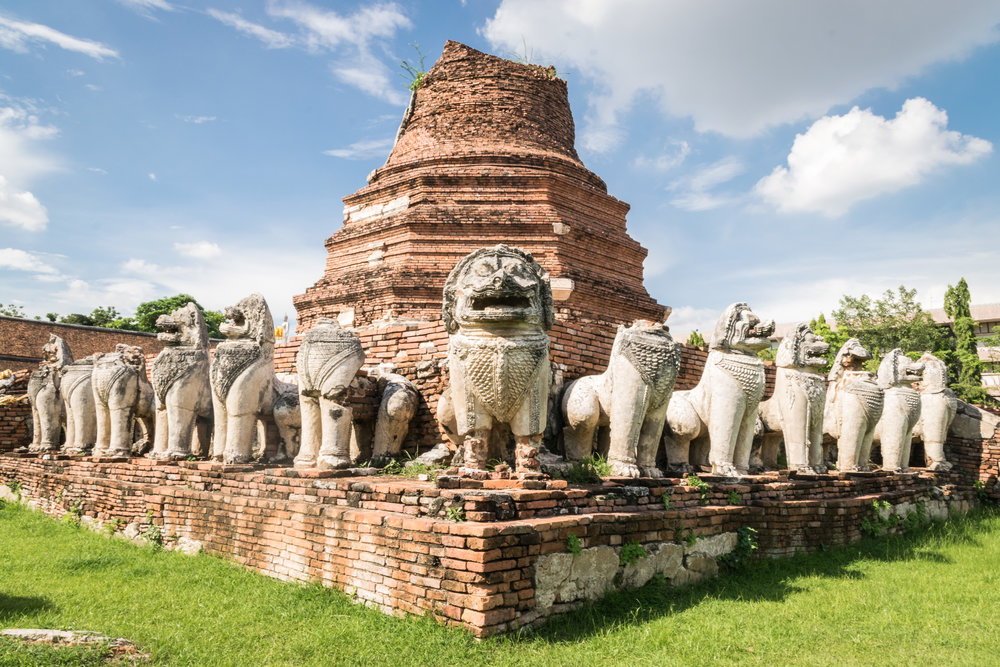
<point x="765" y="580"/>
<point x="12" y="606"/>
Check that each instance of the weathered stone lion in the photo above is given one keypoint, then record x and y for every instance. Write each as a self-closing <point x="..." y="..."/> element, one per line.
<point x="630" y="398"/>
<point x="938" y="407"/>
<point x="328" y="359"/>
<point x="900" y="411"/>
<point x="397" y="406"/>
<point x="78" y="405"/>
<point x="242" y="375"/>
<point x="122" y="396"/>
<point x="498" y="307"/>
<point x="181" y="383"/>
<point x="853" y="406"/>
<point x="723" y="406"/>
<point x="43" y="392"/>
<point x="795" y="410"/>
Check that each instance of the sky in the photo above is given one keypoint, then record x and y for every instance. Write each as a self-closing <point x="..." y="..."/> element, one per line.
<point x="778" y="152"/>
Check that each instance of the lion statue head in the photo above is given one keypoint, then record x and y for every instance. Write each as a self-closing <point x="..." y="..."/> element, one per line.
<point x="249" y="319"/>
<point x="496" y="287"/>
<point x="184" y="327"/>
<point x="56" y="353"/>
<point x="935" y="375"/>
<point x="898" y="370"/>
<point x="740" y="330"/>
<point x="802" y="349"/>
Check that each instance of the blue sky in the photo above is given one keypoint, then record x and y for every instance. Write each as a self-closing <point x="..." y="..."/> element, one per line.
<point x="779" y="153"/>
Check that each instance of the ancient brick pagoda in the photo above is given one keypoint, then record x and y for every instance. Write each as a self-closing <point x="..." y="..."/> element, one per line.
<point x="484" y="155"/>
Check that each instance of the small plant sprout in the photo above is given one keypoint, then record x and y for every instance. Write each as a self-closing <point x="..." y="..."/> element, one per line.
<point x="703" y="488"/>
<point x="667" y="496"/>
<point x="414" y="73"/>
<point x="574" y="545"/>
<point x="631" y="552"/>
<point x="734" y="498"/>
<point x="456" y="514"/>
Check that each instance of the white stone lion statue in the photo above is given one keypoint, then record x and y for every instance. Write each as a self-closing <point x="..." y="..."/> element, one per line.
<point x="629" y="399"/>
<point x="123" y="396"/>
<point x="853" y="406"/>
<point x="498" y="307"/>
<point x="795" y="410"/>
<point x="180" y="377"/>
<point x="900" y="411"/>
<point x="78" y="405"/>
<point x="43" y="393"/>
<point x="242" y="376"/>
<point x="723" y="406"/>
<point x="938" y="407"/>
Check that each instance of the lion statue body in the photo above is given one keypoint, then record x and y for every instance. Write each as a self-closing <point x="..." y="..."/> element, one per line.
<point x="122" y="396"/>
<point x="398" y="403"/>
<point x="795" y="410"/>
<point x="43" y="392"/>
<point x="327" y="361"/>
<point x="722" y="408"/>
<point x="78" y="405"/>
<point x="853" y="408"/>
<point x="497" y="309"/>
<point x="242" y="377"/>
<point x="181" y="383"/>
<point x="900" y="411"/>
<point x="938" y="407"/>
<point x="630" y="399"/>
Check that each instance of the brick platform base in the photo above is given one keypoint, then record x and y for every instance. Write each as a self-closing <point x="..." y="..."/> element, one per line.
<point x="397" y="544"/>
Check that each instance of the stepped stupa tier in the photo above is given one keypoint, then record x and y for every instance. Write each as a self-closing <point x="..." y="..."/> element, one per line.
<point x="485" y="155"/>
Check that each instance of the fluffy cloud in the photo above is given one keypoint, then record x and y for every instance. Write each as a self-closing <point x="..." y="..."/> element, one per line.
<point x="667" y="160"/>
<point x="146" y="7"/>
<point x="18" y="35"/>
<point x="199" y="249"/>
<point x="197" y="120"/>
<point x="842" y="160"/>
<point x="15" y="259"/>
<point x="21" y="209"/>
<point x="23" y="158"/>
<point x="695" y="192"/>
<point x="362" y="149"/>
<point x="739" y="70"/>
<point x="351" y="38"/>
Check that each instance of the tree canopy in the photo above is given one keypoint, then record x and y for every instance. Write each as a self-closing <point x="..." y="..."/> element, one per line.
<point x="144" y="319"/>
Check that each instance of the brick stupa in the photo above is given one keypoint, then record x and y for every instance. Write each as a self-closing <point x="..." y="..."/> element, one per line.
<point x="484" y="155"/>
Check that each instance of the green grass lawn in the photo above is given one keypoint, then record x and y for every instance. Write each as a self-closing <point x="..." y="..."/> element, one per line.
<point x="926" y="598"/>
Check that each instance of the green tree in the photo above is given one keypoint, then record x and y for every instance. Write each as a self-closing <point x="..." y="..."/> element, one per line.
<point x="696" y="339"/>
<point x="894" y="320"/>
<point x="77" y="318"/>
<point x="52" y="317"/>
<point x="11" y="310"/>
<point x="147" y="312"/>
<point x="966" y="370"/>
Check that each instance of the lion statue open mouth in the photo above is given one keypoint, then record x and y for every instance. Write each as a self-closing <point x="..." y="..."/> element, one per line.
<point x="497" y="307"/>
<point x="900" y="410"/>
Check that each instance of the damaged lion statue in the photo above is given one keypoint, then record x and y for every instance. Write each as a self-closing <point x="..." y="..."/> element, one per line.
<point x="630" y="398"/>
<point x="78" y="404"/>
<point x="327" y="361"/>
<point x="43" y="392"/>
<point x="795" y="410"/>
<point x="181" y="384"/>
<point x="122" y="397"/>
<point x="938" y="407"/>
<point x="900" y="411"/>
<point x="723" y="405"/>
<point x="853" y="406"/>
<point x="497" y="309"/>
<point x="242" y="376"/>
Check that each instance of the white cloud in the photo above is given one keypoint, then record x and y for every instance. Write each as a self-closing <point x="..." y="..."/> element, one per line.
<point x="20" y="155"/>
<point x="197" y="120"/>
<point x="15" y="259"/>
<point x="842" y="160"/>
<point x="685" y="319"/>
<point x="696" y="191"/>
<point x="21" y="208"/>
<point x="17" y="35"/>
<point x="98" y="170"/>
<point x="151" y="176"/>
<point x="362" y="149"/>
<point x="667" y="160"/>
<point x="744" y="68"/>
<point x="199" y="249"/>
<point x="140" y="266"/>
<point x="146" y="7"/>
<point x="272" y="39"/>
<point x="93" y="87"/>
<point x="75" y="72"/>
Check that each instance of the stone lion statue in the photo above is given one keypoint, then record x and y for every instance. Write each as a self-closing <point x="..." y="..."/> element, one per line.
<point x="122" y="396"/>
<point x="78" y="405"/>
<point x="397" y="405"/>
<point x="900" y="411"/>
<point x="630" y="398"/>
<point x="722" y="408"/>
<point x="795" y="410"/>
<point x="498" y="307"/>
<point x="938" y="407"/>
<point x="327" y="360"/>
<point x="242" y="377"/>
<point x="853" y="406"/>
<point x="43" y="393"/>
<point x="181" y="384"/>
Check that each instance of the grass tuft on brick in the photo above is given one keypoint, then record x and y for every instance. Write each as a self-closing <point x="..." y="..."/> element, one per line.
<point x="923" y="597"/>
